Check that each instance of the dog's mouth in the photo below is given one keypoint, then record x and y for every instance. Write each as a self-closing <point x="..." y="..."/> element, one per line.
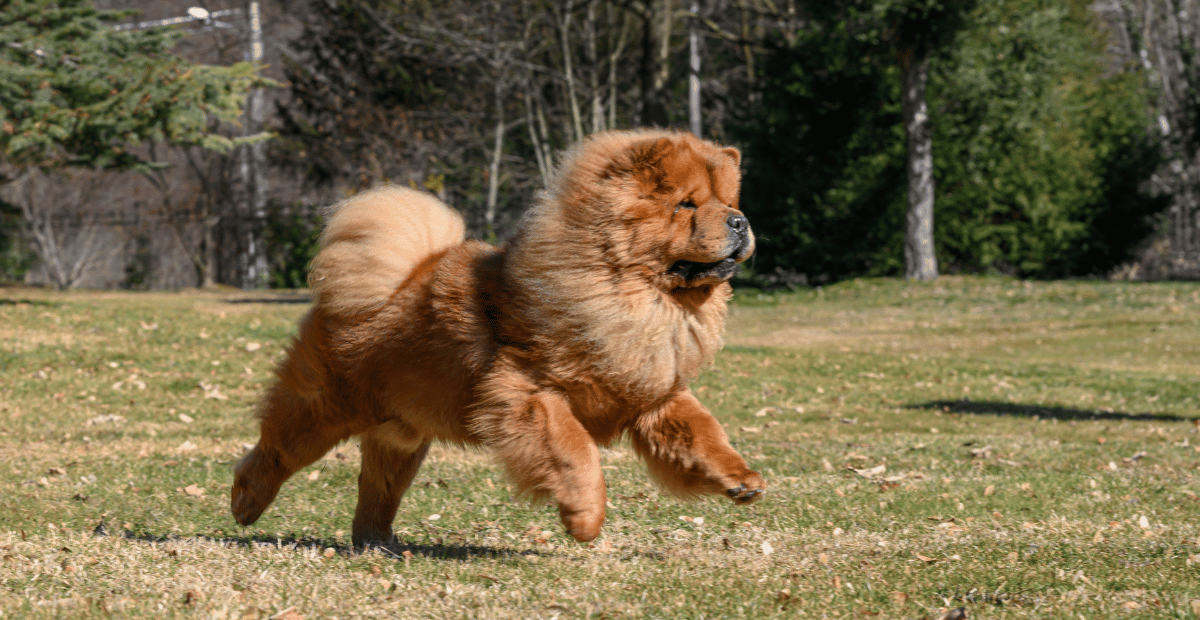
<point x="695" y="273"/>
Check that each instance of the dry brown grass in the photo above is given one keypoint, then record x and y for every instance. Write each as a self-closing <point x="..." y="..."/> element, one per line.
<point x="1039" y="459"/>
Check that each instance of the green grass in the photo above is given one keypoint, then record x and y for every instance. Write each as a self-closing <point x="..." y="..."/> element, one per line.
<point x="1038" y="441"/>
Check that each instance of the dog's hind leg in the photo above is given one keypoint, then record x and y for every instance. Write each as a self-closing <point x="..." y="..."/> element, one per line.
<point x="294" y="435"/>
<point x="390" y="461"/>
<point x="688" y="452"/>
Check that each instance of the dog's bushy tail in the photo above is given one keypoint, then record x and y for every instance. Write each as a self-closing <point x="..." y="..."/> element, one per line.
<point x="371" y="244"/>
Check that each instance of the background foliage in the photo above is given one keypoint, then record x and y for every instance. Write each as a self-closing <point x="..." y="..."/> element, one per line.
<point x="1064" y="138"/>
<point x="1041" y="149"/>
<point x="75" y="92"/>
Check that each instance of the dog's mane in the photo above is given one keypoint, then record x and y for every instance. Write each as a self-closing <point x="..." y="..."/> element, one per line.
<point x="605" y="309"/>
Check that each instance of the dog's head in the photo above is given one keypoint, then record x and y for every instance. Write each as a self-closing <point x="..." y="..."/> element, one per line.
<point x="668" y="206"/>
<point x="688" y="200"/>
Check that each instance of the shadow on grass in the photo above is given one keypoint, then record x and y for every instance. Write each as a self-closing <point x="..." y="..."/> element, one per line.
<point x="984" y="407"/>
<point x="282" y="298"/>
<point x="396" y="549"/>
<point x="27" y="302"/>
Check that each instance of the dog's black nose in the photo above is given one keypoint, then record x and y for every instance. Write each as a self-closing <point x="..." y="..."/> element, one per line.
<point x="738" y="222"/>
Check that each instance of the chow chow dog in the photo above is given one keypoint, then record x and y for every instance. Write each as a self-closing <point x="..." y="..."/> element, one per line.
<point x="586" y="326"/>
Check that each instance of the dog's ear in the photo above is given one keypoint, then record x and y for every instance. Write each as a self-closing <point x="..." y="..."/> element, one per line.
<point x="647" y="160"/>
<point x="649" y="152"/>
<point x="734" y="154"/>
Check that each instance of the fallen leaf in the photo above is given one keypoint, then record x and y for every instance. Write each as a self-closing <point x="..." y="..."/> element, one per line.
<point x="750" y="429"/>
<point x="926" y="559"/>
<point x="193" y="490"/>
<point x="767" y="549"/>
<point x="871" y="472"/>
<point x="186" y="419"/>
<point x="288" y="614"/>
<point x="764" y="411"/>
<point x="186" y="446"/>
<point x="329" y="552"/>
<point x="1099" y="537"/>
<point x="213" y="391"/>
<point x="981" y="453"/>
<point x="314" y="474"/>
<point x="253" y="346"/>
<point x="106" y="418"/>
<point x="991" y="488"/>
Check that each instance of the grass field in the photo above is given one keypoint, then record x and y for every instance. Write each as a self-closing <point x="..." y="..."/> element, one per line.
<point x="1020" y="449"/>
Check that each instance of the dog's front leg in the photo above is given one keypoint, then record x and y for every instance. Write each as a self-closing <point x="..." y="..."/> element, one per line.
<point x="688" y="452"/>
<point x="547" y="451"/>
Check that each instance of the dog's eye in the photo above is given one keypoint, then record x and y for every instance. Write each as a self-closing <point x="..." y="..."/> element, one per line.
<point x="686" y="204"/>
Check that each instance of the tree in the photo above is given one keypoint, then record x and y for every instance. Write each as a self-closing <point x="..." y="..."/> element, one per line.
<point x="1045" y="152"/>
<point x="917" y="30"/>
<point x="1042" y="153"/>
<point x="66" y="101"/>
<point x="824" y="157"/>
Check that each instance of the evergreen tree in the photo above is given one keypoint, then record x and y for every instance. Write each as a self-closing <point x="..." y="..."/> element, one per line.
<point x="75" y="92"/>
<point x="1043" y="150"/>
<point x="1040" y="154"/>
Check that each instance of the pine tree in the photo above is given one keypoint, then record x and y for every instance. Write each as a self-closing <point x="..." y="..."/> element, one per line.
<point x="76" y="92"/>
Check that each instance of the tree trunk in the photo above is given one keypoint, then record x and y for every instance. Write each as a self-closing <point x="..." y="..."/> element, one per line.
<point x="613" y="58"/>
<point x="655" y="69"/>
<point x="575" y="129"/>
<point x="589" y="33"/>
<point x="694" y="70"/>
<point x="489" y="214"/>
<point x="920" y="263"/>
<point x="254" y="171"/>
<point x="535" y="138"/>
<point x="747" y="50"/>
<point x="208" y="266"/>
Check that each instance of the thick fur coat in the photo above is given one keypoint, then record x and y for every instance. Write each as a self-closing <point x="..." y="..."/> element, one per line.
<point x="587" y="326"/>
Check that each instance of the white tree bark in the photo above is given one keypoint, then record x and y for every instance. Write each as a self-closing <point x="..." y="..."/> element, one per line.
<point x="71" y="248"/>
<point x="920" y="262"/>
<point x="575" y="130"/>
<point x="489" y="214"/>
<point x="254" y="163"/>
<point x="694" y="70"/>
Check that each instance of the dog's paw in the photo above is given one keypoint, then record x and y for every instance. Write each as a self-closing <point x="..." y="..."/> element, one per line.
<point x="749" y="490"/>
<point x="245" y="504"/>
<point x="364" y="538"/>
<point x="256" y="482"/>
